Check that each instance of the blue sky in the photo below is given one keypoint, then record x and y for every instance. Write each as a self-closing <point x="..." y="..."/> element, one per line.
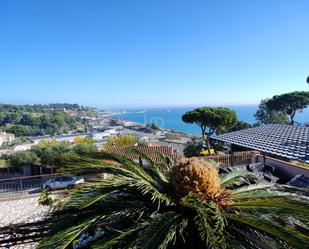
<point x="145" y="53"/>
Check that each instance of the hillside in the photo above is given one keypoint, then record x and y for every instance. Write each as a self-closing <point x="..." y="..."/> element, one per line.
<point x="33" y="120"/>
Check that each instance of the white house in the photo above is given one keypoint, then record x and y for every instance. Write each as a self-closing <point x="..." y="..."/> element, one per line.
<point x="6" y="138"/>
<point x="128" y="124"/>
<point x="101" y="136"/>
<point x="22" y="147"/>
<point x="59" y="138"/>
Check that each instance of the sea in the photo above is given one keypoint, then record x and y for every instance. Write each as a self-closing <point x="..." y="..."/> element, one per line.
<point x="170" y="118"/>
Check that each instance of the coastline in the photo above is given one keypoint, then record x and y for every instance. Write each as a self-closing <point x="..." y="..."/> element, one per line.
<point x="174" y="131"/>
<point x="170" y="118"/>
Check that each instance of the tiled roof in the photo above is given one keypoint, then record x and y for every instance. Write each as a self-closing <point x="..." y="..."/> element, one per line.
<point x="287" y="141"/>
<point x="150" y="151"/>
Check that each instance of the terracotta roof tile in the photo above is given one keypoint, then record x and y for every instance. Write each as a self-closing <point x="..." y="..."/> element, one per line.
<point x="150" y="151"/>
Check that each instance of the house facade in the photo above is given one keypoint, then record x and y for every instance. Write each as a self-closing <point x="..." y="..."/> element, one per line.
<point x="6" y="138"/>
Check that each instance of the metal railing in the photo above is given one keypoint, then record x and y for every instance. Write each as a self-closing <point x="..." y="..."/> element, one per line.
<point x="23" y="185"/>
<point x="236" y="158"/>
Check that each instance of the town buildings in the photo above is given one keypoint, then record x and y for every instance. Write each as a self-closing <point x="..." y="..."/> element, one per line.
<point x="6" y="138"/>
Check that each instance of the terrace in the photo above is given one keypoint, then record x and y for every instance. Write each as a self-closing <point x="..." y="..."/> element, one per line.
<point x="279" y="145"/>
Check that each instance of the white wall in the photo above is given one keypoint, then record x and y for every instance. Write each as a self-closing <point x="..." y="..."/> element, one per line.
<point x="288" y="169"/>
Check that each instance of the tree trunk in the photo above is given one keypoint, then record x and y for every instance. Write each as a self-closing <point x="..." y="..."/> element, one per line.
<point x="208" y="143"/>
<point x="204" y="142"/>
<point x="292" y="117"/>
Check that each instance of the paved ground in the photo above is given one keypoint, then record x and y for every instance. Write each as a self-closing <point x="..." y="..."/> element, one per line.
<point x="20" y="210"/>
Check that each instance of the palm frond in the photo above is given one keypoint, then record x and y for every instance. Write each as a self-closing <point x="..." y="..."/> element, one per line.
<point x="77" y="164"/>
<point x="65" y="238"/>
<point x="248" y="190"/>
<point x="291" y="236"/>
<point x="167" y="161"/>
<point x="161" y="230"/>
<point x="63" y="234"/>
<point x="209" y="221"/>
<point x="103" y="162"/>
<point x="153" y="169"/>
<point x="114" y="187"/>
<point x="117" y="239"/>
<point x="280" y="203"/>
<point x="138" y="206"/>
<point x="229" y="180"/>
<point x="140" y="179"/>
<point x="90" y="193"/>
<point x="156" y="196"/>
<point x="246" y="238"/>
<point x="269" y="190"/>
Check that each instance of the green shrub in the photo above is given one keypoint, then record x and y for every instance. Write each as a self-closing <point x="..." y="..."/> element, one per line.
<point x="45" y="199"/>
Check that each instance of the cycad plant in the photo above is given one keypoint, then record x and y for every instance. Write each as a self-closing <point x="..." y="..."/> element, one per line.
<point x="186" y="204"/>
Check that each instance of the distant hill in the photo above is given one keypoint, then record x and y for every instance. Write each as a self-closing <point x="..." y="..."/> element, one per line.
<point x="47" y="119"/>
<point x="41" y="108"/>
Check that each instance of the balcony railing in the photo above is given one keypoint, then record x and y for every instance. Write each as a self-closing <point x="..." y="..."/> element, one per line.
<point x="236" y="158"/>
<point x="20" y="186"/>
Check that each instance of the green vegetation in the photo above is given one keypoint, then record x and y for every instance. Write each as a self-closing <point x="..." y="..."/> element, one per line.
<point x="170" y="136"/>
<point x="193" y="148"/>
<point x="84" y="148"/>
<point x="240" y="125"/>
<point x="28" y="120"/>
<point x="151" y="127"/>
<point x="187" y="205"/>
<point x="289" y="103"/>
<point x="211" y="120"/>
<point x="39" y="108"/>
<point x="3" y="163"/>
<point x="45" y="199"/>
<point x="17" y="141"/>
<point x="122" y="141"/>
<point x="83" y="140"/>
<point x="23" y="158"/>
<point x="48" y="153"/>
<point x="266" y="116"/>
